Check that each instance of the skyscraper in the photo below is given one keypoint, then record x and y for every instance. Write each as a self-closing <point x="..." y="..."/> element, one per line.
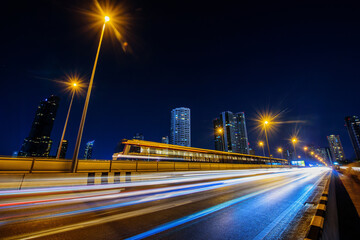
<point x="89" y="149"/>
<point x="323" y="152"/>
<point x="180" y="130"/>
<point x="336" y="148"/>
<point x="353" y="126"/>
<point x="241" y="136"/>
<point x="230" y="133"/>
<point x="38" y="143"/>
<point x="63" y="150"/>
<point x="165" y="139"/>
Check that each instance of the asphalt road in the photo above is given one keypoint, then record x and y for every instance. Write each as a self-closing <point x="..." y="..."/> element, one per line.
<point x="244" y="204"/>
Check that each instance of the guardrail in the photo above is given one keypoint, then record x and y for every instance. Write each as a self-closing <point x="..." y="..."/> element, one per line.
<point x="38" y="165"/>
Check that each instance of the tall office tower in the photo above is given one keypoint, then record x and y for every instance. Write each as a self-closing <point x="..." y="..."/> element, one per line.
<point x="89" y="149"/>
<point x="38" y="143"/>
<point x="180" y="130"/>
<point x="165" y="139"/>
<point x="241" y="136"/>
<point x="337" y="151"/>
<point x="230" y="133"/>
<point x="63" y="150"/>
<point x="138" y="136"/>
<point x="353" y="126"/>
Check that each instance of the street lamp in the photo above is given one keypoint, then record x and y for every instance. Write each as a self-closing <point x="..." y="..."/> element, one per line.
<point x="261" y="144"/>
<point x="294" y="141"/>
<point x="73" y="87"/>
<point x="266" y="123"/>
<point x="82" y="123"/>
<point x="280" y="150"/>
<point x="220" y="131"/>
<point x="305" y="150"/>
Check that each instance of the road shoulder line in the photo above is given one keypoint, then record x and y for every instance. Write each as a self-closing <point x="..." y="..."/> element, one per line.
<point x="317" y="222"/>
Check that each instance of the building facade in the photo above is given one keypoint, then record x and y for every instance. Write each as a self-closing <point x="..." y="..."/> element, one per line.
<point x="230" y="133"/>
<point x="89" y="149"/>
<point x="323" y="152"/>
<point x="180" y="128"/>
<point x="38" y="143"/>
<point x="336" y="149"/>
<point x="352" y="124"/>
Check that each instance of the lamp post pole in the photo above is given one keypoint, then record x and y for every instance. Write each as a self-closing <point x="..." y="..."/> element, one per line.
<point x="294" y="143"/>
<point x="267" y="141"/>
<point x="82" y="123"/>
<point x="66" y="121"/>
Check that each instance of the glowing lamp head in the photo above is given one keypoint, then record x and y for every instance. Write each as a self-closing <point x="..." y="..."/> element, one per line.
<point x="261" y="143"/>
<point x="107" y="18"/>
<point x="220" y="130"/>
<point x="294" y="140"/>
<point x="266" y="122"/>
<point x="74" y="84"/>
<point x="280" y="150"/>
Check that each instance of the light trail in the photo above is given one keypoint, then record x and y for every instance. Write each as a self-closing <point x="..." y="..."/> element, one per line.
<point x="152" y="209"/>
<point x="175" y="179"/>
<point x="163" y="193"/>
<point x="290" y="211"/>
<point x="205" y="212"/>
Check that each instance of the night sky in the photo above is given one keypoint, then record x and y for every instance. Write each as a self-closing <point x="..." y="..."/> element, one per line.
<point x="299" y="56"/>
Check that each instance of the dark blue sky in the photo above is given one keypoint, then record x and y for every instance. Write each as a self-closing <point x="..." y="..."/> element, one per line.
<point x="211" y="57"/>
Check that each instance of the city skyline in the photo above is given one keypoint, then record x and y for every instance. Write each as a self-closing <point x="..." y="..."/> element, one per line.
<point x="271" y="78"/>
<point x="321" y="151"/>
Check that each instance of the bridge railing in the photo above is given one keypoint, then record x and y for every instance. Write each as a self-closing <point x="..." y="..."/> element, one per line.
<point x="38" y="165"/>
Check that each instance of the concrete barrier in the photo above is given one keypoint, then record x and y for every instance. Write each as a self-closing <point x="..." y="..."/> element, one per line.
<point x="30" y="165"/>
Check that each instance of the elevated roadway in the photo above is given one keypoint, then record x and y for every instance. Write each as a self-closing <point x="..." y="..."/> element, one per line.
<point x="231" y="204"/>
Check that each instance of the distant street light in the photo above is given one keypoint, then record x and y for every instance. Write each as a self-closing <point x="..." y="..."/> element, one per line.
<point x="305" y="150"/>
<point x="82" y="123"/>
<point x="294" y="141"/>
<point x="280" y="150"/>
<point x="73" y="86"/>
<point x="266" y="123"/>
<point x="220" y="130"/>
<point x="261" y="144"/>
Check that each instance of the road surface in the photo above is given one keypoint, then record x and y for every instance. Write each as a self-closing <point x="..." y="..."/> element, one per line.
<point x="242" y="204"/>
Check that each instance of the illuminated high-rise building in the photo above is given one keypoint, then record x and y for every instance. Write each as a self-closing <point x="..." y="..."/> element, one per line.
<point x="230" y="133"/>
<point x="323" y="152"/>
<point x="353" y="126"/>
<point x="337" y="151"/>
<point x="241" y="136"/>
<point x="38" y="143"/>
<point x="180" y="129"/>
<point x="89" y="149"/>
